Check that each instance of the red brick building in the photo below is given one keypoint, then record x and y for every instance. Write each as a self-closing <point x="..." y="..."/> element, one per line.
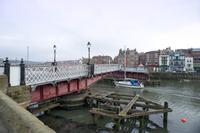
<point x="142" y="58"/>
<point x="152" y="60"/>
<point x="132" y="58"/>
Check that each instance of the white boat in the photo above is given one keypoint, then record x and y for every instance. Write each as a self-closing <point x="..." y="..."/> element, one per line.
<point x="130" y="83"/>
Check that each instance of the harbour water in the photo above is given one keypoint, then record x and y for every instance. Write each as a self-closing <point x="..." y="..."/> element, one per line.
<point x="182" y="96"/>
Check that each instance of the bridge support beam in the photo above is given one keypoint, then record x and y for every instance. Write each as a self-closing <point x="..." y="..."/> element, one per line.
<point x="57" y="89"/>
<point x="78" y="84"/>
<point x="41" y="93"/>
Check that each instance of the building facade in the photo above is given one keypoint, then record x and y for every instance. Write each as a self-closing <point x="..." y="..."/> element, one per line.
<point x="152" y="60"/>
<point x="164" y="62"/>
<point x="188" y="64"/>
<point x="102" y="59"/>
<point x="142" y="59"/>
<point x="177" y="61"/>
<point x="130" y="58"/>
<point x="120" y="58"/>
<point x="164" y="59"/>
<point x="195" y="53"/>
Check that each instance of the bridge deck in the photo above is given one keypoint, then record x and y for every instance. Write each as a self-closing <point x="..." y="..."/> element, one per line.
<point x="42" y="74"/>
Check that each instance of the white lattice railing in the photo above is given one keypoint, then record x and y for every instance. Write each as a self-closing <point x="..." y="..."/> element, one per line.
<point x="37" y="74"/>
<point x="104" y="68"/>
<point x="136" y="69"/>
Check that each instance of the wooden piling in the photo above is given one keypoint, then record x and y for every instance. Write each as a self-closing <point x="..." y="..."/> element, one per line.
<point x="146" y="109"/>
<point x="117" y="124"/>
<point x="165" y="115"/>
<point x="125" y="106"/>
<point x="93" y="118"/>
<point x="141" y="124"/>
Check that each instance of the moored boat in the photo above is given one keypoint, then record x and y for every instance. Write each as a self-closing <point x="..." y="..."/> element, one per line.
<point x="130" y="83"/>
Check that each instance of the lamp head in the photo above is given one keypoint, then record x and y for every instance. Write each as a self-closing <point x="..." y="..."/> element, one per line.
<point x="88" y="44"/>
<point x="54" y="47"/>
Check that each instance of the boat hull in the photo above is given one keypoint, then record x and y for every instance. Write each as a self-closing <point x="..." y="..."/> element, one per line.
<point x="127" y="84"/>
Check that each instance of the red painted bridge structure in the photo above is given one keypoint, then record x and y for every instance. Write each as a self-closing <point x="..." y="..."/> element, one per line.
<point x="47" y="91"/>
<point x="78" y="78"/>
<point x="52" y="81"/>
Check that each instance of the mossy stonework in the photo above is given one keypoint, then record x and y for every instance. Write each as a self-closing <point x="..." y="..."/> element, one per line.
<point x="19" y="120"/>
<point x="20" y="94"/>
<point x="3" y="83"/>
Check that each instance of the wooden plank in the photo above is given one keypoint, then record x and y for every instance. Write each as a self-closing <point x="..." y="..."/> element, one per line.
<point x="105" y="111"/>
<point x="107" y="94"/>
<point x="145" y="113"/>
<point x="100" y="112"/>
<point x="132" y="115"/>
<point x="120" y="97"/>
<point x="147" y="106"/>
<point x="117" y="108"/>
<point x="124" y="94"/>
<point x="110" y="107"/>
<point x="152" y="105"/>
<point x="129" y="97"/>
<point x="149" y="101"/>
<point x="125" y="102"/>
<point x="110" y="100"/>
<point x="100" y="93"/>
<point x="45" y="108"/>
<point x="129" y="106"/>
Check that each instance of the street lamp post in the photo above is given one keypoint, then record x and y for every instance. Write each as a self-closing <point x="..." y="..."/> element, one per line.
<point x="88" y="45"/>
<point x="54" y="49"/>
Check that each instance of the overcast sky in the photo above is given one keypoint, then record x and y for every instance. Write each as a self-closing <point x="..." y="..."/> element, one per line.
<point x="108" y="24"/>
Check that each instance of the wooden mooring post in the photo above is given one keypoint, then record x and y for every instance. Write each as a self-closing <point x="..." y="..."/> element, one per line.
<point x="141" y="124"/>
<point x="117" y="124"/>
<point x="165" y="116"/>
<point x="93" y="118"/>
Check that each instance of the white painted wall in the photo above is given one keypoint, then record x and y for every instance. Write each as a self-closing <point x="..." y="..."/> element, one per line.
<point x="14" y="75"/>
<point x="160" y="59"/>
<point x="1" y="70"/>
<point x="188" y="64"/>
